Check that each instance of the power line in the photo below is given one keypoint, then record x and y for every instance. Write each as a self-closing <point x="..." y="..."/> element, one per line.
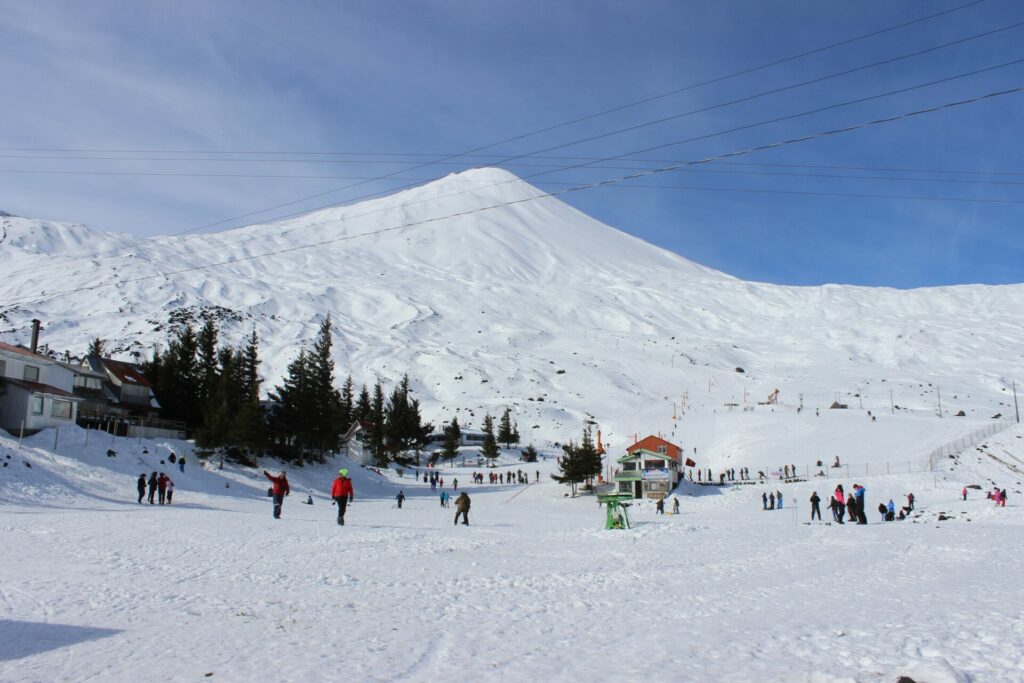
<point x="719" y="79"/>
<point x="676" y="143"/>
<point x="623" y="107"/>
<point x="254" y="176"/>
<point x="542" y="195"/>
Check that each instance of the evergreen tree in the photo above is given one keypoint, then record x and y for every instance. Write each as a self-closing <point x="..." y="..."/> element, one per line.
<point x="325" y="400"/>
<point x="207" y="359"/>
<point x="505" y="429"/>
<point x="489" y="449"/>
<point x="97" y="347"/>
<point x="250" y="364"/>
<point x="376" y="440"/>
<point x="364" y="408"/>
<point x="515" y="434"/>
<point x="452" y="435"/>
<point x="347" y="408"/>
<point x="579" y="463"/>
<point x="529" y="455"/>
<point x="291" y="417"/>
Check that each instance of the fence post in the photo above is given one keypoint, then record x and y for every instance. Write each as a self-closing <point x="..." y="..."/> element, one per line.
<point x="86" y="437"/>
<point x="21" y="434"/>
<point x="56" y="433"/>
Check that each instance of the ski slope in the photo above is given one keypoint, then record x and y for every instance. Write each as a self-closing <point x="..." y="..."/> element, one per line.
<point x="98" y="588"/>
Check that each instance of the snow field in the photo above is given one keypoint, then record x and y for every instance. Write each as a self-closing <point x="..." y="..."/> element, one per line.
<point x="96" y="587"/>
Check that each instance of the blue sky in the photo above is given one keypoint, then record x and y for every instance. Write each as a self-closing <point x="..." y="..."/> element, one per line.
<point x="437" y="78"/>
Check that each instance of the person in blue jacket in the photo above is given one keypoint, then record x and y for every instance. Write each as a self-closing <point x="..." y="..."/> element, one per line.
<point x="858" y="495"/>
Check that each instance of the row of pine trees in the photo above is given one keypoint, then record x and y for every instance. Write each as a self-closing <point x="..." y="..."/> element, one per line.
<point x="215" y="390"/>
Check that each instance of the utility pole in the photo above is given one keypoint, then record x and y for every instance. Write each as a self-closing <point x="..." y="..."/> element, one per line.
<point x="1016" y="410"/>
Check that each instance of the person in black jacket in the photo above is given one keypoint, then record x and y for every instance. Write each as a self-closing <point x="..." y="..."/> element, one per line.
<point x="142" y="487"/>
<point x="152" y="488"/>
<point x="815" y="506"/>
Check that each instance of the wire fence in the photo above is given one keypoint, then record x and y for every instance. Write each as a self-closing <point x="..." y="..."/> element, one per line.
<point x="957" y="446"/>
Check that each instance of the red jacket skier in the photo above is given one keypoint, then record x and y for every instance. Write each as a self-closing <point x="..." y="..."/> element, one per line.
<point x="279" y="490"/>
<point x="342" y="493"/>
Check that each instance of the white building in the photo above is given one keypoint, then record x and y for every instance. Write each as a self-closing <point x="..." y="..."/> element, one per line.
<point x="36" y="391"/>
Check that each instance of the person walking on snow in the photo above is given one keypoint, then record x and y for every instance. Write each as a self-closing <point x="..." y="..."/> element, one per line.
<point x="462" y="504"/>
<point x="659" y="507"/>
<point x="764" y="501"/>
<point x="181" y="464"/>
<point x="675" y="506"/>
<point x="170" y="490"/>
<point x="910" y="501"/>
<point x="455" y="483"/>
<point x="778" y="498"/>
<point x="771" y="501"/>
<point x="400" y="498"/>
<point x="279" y="490"/>
<point x="142" y="487"/>
<point x="161" y="485"/>
<point x="152" y="488"/>
<point x="815" y="506"/>
<point x="964" y="492"/>
<point x="891" y="510"/>
<point x="343" y="493"/>
<point x="858" y="493"/>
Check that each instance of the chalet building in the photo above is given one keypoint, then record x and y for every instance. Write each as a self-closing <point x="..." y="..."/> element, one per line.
<point x="355" y="442"/>
<point x="650" y="469"/>
<point x="36" y="392"/>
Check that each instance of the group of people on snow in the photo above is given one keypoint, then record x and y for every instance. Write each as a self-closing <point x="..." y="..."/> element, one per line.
<point x="161" y="488"/>
<point x="771" y="501"/>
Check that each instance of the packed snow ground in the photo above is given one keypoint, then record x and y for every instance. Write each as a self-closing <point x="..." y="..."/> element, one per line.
<point x="95" y="587"/>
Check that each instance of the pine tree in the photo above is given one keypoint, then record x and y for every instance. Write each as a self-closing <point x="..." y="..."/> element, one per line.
<point x="363" y="409"/>
<point x="325" y="400"/>
<point x="207" y="359"/>
<point x="97" y="347"/>
<point x="376" y="441"/>
<point x="291" y="416"/>
<point x="452" y="436"/>
<point x="347" y="407"/>
<point x="529" y="455"/>
<point x="515" y="434"/>
<point x="489" y="449"/>
<point x="251" y="368"/>
<point x="505" y="429"/>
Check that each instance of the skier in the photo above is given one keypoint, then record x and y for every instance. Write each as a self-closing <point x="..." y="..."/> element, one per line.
<point x="342" y="493"/>
<point x="660" y="506"/>
<point x="181" y="464"/>
<point x="778" y="497"/>
<point x="161" y="486"/>
<point x="400" y="498"/>
<point x="764" y="501"/>
<point x="462" y="504"/>
<point x="964" y="492"/>
<point x="675" y="506"/>
<point x="279" y="490"/>
<point x="170" y="490"/>
<point x="152" y="487"/>
<point x="815" y="503"/>
<point x="142" y="487"/>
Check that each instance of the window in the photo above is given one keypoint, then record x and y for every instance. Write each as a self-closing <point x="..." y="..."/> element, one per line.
<point x="654" y="465"/>
<point x="662" y="449"/>
<point x="37" y="405"/>
<point x="60" y="409"/>
<point x="31" y="373"/>
<point x="629" y="466"/>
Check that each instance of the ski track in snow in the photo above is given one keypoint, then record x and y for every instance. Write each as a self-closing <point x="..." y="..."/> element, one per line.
<point x="533" y="590"/>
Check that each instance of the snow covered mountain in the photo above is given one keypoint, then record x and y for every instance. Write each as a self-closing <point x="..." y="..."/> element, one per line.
<point x="490" y="295"/>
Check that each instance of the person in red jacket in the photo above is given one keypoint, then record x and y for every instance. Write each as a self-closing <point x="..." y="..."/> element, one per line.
<point x="161" y="484"/>
<point x="278" y="491"/>
<point x="342" y="493"/>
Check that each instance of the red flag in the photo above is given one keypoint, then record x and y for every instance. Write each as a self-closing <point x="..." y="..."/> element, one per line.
<point x="690" y="463"/>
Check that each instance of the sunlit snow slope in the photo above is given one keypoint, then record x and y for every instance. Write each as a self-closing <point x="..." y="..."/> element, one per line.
<point x="530" y="304"/>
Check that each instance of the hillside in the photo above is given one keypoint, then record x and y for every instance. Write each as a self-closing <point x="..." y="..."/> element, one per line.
<point x="532" y="305"/>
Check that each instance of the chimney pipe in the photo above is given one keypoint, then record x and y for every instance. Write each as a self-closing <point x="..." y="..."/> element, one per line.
<point x="35" y="335"/>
